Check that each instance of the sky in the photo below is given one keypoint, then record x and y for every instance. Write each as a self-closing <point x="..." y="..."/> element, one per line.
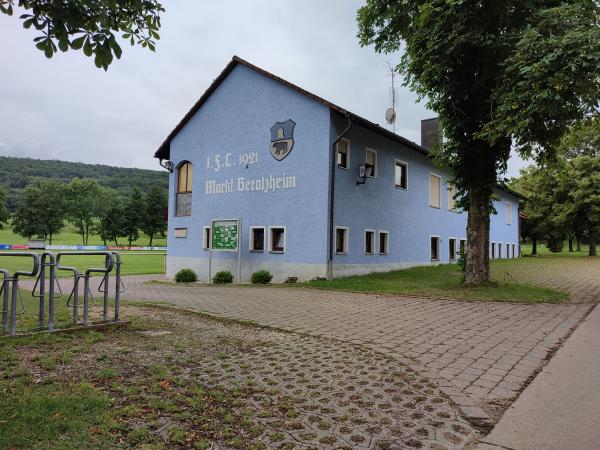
<point x="65" y="108"/>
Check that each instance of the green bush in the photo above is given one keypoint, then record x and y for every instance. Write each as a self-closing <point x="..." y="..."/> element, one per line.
<point x="223" y="277"/>
<point x="186" y="276"/>
<point x="262" y="276"/>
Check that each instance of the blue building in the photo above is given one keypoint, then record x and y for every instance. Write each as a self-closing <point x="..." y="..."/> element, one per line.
<point x="319" y="191"/>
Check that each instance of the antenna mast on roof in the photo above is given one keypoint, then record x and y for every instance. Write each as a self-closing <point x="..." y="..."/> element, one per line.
<point x="390" y="114"/>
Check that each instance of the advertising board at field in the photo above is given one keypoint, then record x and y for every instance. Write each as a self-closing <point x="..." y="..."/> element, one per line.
<point x="81" y="247"/>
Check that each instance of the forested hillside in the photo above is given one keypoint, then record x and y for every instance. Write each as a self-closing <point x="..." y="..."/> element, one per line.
<point x="16" y="173"/>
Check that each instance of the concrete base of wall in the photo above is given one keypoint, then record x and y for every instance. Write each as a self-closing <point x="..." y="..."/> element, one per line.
<point x="281" y="271"/>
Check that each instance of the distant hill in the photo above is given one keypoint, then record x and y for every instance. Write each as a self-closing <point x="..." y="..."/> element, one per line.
<point x="16" y="173"/>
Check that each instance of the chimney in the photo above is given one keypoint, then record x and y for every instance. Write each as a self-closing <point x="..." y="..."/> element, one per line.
<point x="431" y="133"/>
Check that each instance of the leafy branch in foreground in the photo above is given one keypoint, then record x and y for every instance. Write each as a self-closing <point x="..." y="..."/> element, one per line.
<point x="89" y="25"/>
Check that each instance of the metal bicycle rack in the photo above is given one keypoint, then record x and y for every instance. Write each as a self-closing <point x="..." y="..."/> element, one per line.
<point x="14" y="280"/>
<point x="9" y="286"/>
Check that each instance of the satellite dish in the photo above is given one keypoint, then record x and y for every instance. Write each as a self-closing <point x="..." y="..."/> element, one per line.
<point x="390" y="115"/>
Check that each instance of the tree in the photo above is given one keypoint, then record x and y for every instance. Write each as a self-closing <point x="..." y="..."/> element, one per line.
<point x="494" y="71"/>
<point x="133" y="216"/>
<point x="155" y="202"/>
<point x="89" y="25"/>
<point x="4" y="214"/>
<point x="82" y="205"/>
<point x="111" y="221"/>
<point x="40" y="210"/>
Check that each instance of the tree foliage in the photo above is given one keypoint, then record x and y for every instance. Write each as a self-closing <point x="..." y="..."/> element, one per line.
<point x="4" y="214"/>
<point x="494" y="71"/>
<point x="40" y="210"/>
<point x="82" y="204"/>
<point x="133" y="216"/>
<point x="110" y="226"/>
<point x="155" y="203"/>
<point x="91" y="25"/>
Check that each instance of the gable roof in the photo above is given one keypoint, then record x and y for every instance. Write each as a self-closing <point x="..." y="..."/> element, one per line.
<point x="164" y="151"/>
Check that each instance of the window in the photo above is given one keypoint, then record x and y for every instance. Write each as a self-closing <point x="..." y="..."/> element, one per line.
<point x="493" y="250"/>
<point x="183" y="199"/>
<point x="507" y="250"/>
<point x="400" y="178"/>
<point x="513" y="251"/>
<point x="435" y="248"/>
<point x="343" y="153"/>
<point x="277" y="239"/>
<point x="257" y="239"/>
<point x="499" y="249"/>
<point x="384" y="242"/>
<point x="206" y="238"/>
<point x="434" y="190"/>
<point x="372" y="159"/>
<point x="452" y="249"/>
<point x="369" y="244"/>
<point x="451" y="200"/>
<point x="463" y="247"/>
<point x="341" y="240"/>
<point x="508" y="213"/>
<point x="180" y="232"/>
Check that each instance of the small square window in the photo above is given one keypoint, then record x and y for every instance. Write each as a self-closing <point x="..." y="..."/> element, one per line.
<point x="400" y="178"/>
<point x="369" y="242"/>
<point x="206" y="238"/>
<point x="372" y="159"/>
<point x="277" y="239"/>
<point x="384" y="242"/>
<point x="180" y="232"/>
<point x="341" y="240"/>
<point x="451" y="249"/>
<point x="343" y="153"/>
<point x="257" y="239"/>
<point x="435" y="248"/>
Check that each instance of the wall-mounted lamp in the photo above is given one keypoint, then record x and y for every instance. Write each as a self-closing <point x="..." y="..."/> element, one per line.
<point x="166" y="164"/>
<point x="364" y="171"/>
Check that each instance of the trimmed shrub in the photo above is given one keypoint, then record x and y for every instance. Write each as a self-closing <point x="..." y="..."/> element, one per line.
<point x="462" y="261"/>
<point x="186" y="276"/>
<point x="262" y="276"/>
<point x="223" y="277"/>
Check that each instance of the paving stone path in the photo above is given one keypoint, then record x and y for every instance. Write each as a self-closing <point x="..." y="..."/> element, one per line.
<point x="480" y="353"/>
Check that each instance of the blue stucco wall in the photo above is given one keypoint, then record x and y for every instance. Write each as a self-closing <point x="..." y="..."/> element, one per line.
<point x="405" y="214"/>
<point x="237" y="119"/>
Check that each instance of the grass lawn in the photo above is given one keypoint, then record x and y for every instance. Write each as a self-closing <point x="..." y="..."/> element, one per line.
<point x="543" y="251"/>
<point x="445" y="281"/>
<point x="134" y="263"/>
<point x="69" y="237"/>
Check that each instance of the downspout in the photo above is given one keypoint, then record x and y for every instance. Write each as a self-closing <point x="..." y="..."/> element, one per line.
<point x="333" y="165"/>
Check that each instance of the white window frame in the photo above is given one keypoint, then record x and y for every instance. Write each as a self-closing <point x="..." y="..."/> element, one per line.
<point x="346" y="245"/>
<point x="499" y="250"/>
<point x="431" y="174"/>
<point x="347" y="141"/>
<point x="439" y="245"/>
<point x="374" y="233"/>
<point x="387" y="242"/>
<point x="206" y="237"/>
<point x="270" y="240"/>
<point x="465" y="246"/>
<point x="375" y="166"/>
<point x="251" y="238"/>
<point x="508" y="213"/>
<point x="405" y="164"/>
<point x="455" y="252"/>
<point x="513" y="250"/>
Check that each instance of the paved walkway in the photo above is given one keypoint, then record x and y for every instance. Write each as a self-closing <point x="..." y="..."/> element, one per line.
<point x="480" y="353"/>
<point x="561" y="408"/>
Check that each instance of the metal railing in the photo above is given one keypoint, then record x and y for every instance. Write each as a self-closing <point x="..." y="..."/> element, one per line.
<point x="45" y="266"/>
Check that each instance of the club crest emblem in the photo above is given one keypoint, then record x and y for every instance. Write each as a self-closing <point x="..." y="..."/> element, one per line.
<point x="282" y="139"/>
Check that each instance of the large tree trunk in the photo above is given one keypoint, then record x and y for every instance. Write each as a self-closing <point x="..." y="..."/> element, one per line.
<point x="534" y="246"/>
<point x="592" y="251"/>
<point x="478" y="231"/>
<point x="578" y="243"/>
<point x="570" y="244"/>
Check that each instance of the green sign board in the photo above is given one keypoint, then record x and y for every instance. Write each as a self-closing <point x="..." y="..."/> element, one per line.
<point x="225" y="235"/>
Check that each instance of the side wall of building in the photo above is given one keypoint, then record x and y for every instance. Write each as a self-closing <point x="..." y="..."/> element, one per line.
<point x="235" y="176"/>
<point x="405" y="214"/>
